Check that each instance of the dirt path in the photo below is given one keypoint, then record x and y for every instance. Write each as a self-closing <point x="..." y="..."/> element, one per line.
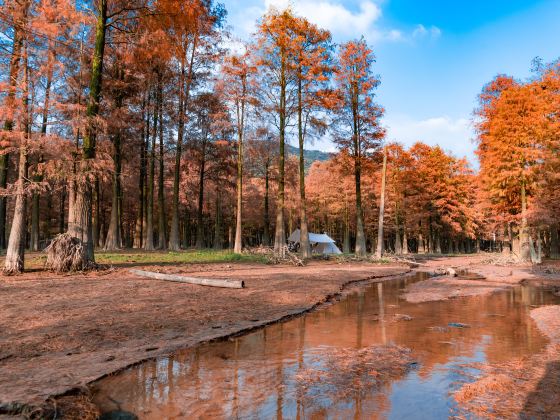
<point x="60" y="333"/>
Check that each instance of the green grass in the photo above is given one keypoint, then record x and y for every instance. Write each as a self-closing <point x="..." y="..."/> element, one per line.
<point x="160" y="257"/>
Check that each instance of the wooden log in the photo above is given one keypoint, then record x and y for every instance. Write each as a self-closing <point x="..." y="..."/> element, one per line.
<point x="232" y="284"/>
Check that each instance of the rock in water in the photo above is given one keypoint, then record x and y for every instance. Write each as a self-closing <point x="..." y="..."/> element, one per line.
<point x="458" y="325"/>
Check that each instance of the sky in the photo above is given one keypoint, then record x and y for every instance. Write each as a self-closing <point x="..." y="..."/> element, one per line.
<point x="433" y="57"/>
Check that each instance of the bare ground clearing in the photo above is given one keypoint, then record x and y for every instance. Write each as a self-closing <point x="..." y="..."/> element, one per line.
<point x="61" y="332"/>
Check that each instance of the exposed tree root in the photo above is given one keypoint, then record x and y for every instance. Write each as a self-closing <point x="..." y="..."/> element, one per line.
<point x="67" y="254"/>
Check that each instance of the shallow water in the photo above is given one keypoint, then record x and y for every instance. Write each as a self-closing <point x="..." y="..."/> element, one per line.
<point x="258" y="375"/>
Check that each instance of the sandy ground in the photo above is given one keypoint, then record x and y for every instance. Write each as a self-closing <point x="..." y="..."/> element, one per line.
<point x="58" y="333"/>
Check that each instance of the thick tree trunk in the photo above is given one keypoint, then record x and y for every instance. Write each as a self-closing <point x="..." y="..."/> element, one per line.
<point x="379" y="250"/>
<point x="14" y="262"/>
<point x="10" y="104"/>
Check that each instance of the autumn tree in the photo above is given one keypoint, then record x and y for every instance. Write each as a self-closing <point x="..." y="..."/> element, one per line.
<point x="357" y="119"/>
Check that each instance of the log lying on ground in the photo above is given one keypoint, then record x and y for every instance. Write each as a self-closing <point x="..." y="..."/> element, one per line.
<point x="232" y="284"/>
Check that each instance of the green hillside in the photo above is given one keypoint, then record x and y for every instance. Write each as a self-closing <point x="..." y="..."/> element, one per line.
<point x="310" y="156"/>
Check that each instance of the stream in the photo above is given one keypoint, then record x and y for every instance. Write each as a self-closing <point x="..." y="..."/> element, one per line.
<point x="258" y="375"/>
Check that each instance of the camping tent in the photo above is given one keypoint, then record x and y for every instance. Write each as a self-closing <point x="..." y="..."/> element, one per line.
<point x="321" y="243"/>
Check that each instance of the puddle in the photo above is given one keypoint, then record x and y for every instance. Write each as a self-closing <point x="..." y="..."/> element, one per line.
<point x="257" y="375"/>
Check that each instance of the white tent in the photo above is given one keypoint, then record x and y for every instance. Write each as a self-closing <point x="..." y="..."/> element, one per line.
<point x="321" y="243"/>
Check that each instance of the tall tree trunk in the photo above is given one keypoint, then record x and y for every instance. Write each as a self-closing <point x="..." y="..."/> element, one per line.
<point x="184" y="94"/>
<point x="114" y="240"/>
<point x="81" y="226"/>
<point x="360" y="248"/>
<point x="14" y="262"/>
<point x="15" y="254"/>
<point x="218" y="234"/>
<point x="38" y="176"/>
<point x="61" y="210"/>
<point x="379" y="250"/>
<point x="346" y="242"/>
<point x="280" y="234"/>
<point x="199" y="218"/>
<point x="149" y="240"/>
<point x="554" y="251"/>
<point x="524" y="237"/>
<point x="162" y="225"/>
<point x="266" y="233"/>
<point x="139" y="231"/>
<point x="10" y="104"/>
<point x="240" y="108"/>
<point x="304" y="233"/>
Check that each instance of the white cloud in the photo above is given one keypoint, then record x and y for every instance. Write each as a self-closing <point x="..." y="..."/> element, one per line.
<point x="451" y="134"/>
<point x="421" y="32"/>
<point x="344" y="23"/>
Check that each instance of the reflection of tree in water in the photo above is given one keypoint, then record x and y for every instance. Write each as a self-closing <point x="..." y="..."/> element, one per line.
<point x="341" y="375"/>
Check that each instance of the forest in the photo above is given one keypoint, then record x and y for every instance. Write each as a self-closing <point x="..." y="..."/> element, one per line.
<point x="146" y="124"/>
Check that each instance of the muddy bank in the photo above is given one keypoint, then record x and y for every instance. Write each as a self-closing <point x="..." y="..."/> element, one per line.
<point x="524" y="388"/>
<point x="483" y="278"/>
<point x="60" y="333"/>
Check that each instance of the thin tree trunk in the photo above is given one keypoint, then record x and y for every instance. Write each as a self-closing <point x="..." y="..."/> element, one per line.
<point x="266" y="232"/>
<point x="304" y="233"/>
<point x="61" y="209"/>
<point x="218" y="234"/>
<point x="149" y="240"/>
<point x="139" y="231"/>
<point x="346" y="243"/>
<point x="199" y="219"/>
<point x="280" y="234"/>
<point x="240" y="108"/>
<point x="379" y="250"/>
<point x="554" y="251"/>
<point x="524" y="238"/>
<point x="162" y="225"/>
<point x="114" y="240"/>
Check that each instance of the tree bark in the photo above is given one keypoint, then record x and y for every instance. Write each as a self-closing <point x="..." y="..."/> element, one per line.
<point x="218" y="234"/>
<point x="162" y="225"/>
<point x="139" y="229"/>
<point x="346" y="242"/>
<point x="266" y="233"/>
<point x="81" y="226"/>
<point x="379" y="250"/>
<point x="304" y="233"/>
<point x="523" y="233"/>
<point x="280" y="234"/>
<point x="149" y="240"/>
<point x="14" y="262"/>
<point x="240" y="108"/>
<point x="200" y="219"/>
<point x="554" y="251"/>
<point x="10" y="103"/>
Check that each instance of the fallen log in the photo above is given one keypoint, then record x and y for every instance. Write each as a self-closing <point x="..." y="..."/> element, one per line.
<point x="232" y="284"/>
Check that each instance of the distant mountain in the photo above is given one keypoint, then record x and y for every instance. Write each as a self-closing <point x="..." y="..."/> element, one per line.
<point x="309" y="156"/>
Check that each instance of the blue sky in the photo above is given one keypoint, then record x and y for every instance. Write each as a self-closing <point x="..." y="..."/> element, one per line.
<point x="433" y="56"/>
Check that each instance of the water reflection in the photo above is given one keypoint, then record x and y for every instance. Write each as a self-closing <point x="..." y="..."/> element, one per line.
<point x="256" y="376"/>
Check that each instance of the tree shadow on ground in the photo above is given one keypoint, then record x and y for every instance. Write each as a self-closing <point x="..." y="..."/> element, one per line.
<point x="544" y="402"/>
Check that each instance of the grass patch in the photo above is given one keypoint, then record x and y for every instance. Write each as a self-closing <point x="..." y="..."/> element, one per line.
<point x="125" y="257"/>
